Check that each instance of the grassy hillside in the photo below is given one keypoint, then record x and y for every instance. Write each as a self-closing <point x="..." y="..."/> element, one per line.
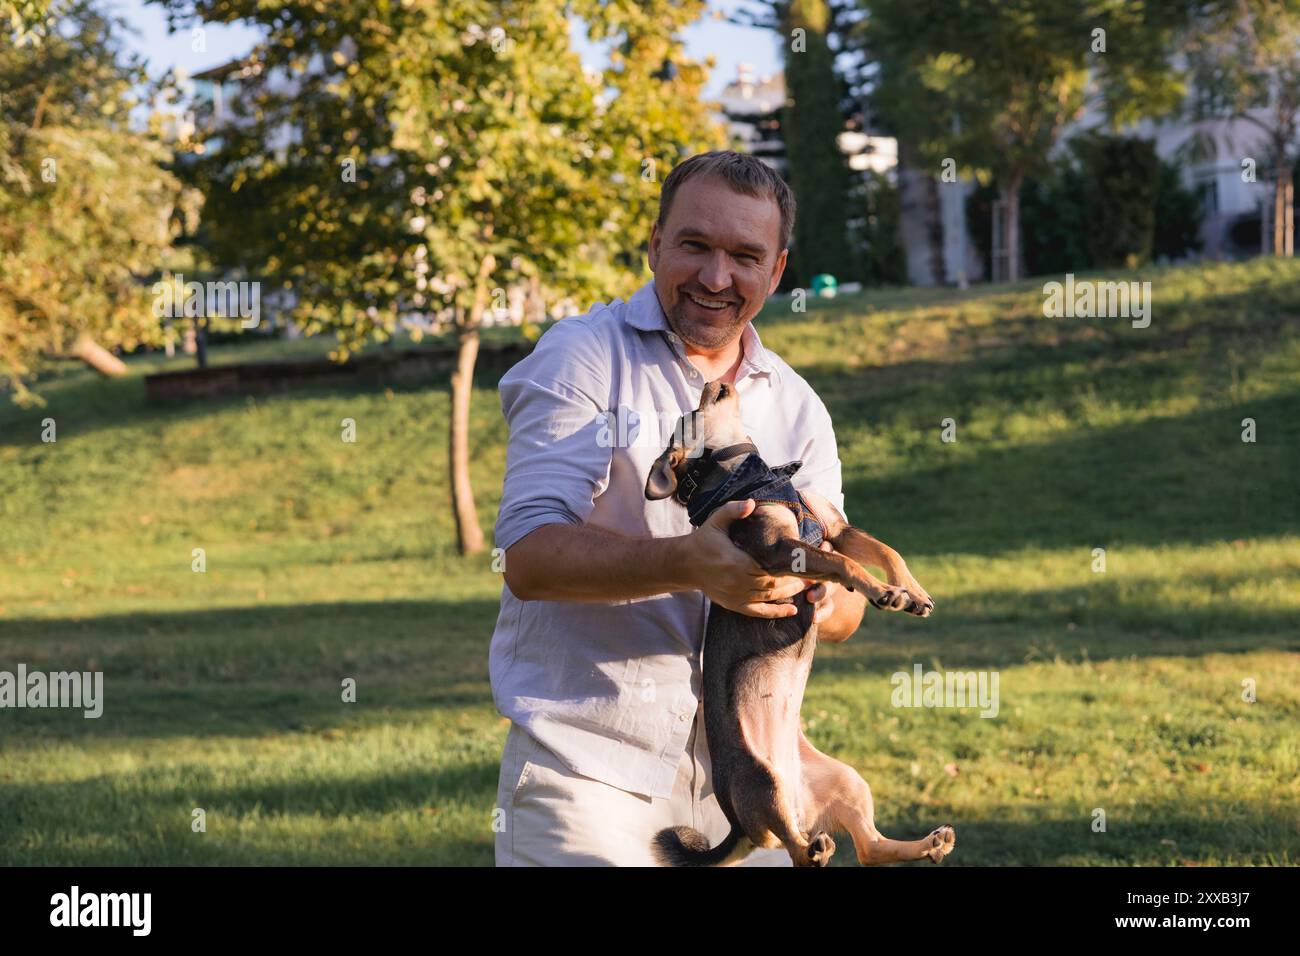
<point x="1120" y="691"/>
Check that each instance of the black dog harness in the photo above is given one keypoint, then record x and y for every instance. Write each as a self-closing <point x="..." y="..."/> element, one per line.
<point x="752" y="478"/>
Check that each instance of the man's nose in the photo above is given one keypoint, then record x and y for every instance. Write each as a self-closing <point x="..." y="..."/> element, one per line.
<point x="715" y="274"/>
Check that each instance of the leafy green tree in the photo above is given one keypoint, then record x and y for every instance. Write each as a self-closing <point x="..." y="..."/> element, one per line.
<point x="87" y="207"/>
<point x="1178" y="216"/>
<point x="1104" y="201"/>
<point x="990" y="84"/>
<point x="877" y="241"/>
<point x="1121" y="176"/>
<point x="438" y="152"/>
<point x="24" y="16"/>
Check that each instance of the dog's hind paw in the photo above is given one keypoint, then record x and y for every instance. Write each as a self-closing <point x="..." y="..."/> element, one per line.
<point x="941" y="843"/>
<point x="820" y="849"/>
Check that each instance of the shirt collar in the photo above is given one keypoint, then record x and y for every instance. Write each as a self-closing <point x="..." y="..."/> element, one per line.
<point x="645" y="313"/>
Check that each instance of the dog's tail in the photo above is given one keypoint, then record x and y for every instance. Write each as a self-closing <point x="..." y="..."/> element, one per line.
<point x="685" y="846"/>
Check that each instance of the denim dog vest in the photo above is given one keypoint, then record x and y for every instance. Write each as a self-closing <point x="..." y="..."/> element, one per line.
<point x="754" y="479"/>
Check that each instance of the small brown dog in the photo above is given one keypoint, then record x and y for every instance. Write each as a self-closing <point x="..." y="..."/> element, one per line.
<point x="774" y="787"/>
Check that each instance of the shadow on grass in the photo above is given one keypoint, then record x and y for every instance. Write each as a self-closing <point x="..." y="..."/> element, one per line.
<point x="1181" y="480"/>
<point x="253" y="670"/>
<point x="250" y="671"/>
<point x="116" y="820"/>
<point x="150" y="825"/>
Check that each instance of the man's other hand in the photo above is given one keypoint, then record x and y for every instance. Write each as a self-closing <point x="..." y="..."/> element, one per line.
<point x="730" y="577"/>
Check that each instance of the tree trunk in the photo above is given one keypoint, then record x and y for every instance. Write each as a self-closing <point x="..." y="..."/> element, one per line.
<point x="934" y="230"/>
<point x="97" y="357"/>
<point x="1011" y="225"/>
<point x="534" y="306"/>
<point x="201" y="341"/>
<point x="1290" y="215"/>
<point x="1283" y="223"/>
<point x="469" y="535"/>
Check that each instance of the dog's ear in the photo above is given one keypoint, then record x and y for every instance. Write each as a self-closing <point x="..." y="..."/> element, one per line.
<point x="662" y="480"/>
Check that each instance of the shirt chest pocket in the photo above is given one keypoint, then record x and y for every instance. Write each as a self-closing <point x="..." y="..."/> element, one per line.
<point x="636" y="444"/>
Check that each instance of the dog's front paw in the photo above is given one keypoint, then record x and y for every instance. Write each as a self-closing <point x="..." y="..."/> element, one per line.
<point x="888" y="597"/>
<point x="922" y="605"/>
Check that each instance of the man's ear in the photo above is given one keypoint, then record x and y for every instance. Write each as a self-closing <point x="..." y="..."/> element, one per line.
<point x="652" y="251"/>
<point x="662" y="480"/>
<point x="780" y="270"/>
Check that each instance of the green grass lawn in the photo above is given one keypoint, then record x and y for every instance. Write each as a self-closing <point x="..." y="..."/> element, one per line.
<point x="1120" y="691"/>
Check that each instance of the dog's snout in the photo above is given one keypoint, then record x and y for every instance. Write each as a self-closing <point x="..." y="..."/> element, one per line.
<point x="715" y="392"/>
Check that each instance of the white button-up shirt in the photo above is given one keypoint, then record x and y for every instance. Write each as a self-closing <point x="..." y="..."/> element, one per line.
<point x="611" y="689"/>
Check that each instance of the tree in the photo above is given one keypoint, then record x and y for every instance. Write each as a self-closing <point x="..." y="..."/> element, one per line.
<point x="1245" y="57"/>
<point x="811" y="123"/>
<point x="817" y="104"/>
<point x="25" y="16"/>
<point x="87" y="209"/>
<point x="990" y="85"/>
<point x="438" y="152"/>
<point x="876" y="238"/>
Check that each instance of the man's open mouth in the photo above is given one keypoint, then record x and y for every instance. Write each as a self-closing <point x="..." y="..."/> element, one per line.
<point x="711" y="304"/>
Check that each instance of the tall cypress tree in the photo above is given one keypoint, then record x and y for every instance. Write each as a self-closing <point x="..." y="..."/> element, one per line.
<point x="810" y="122"/>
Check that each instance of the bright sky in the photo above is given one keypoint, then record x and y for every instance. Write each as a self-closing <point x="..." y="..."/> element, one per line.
<point x="728" y="43"/>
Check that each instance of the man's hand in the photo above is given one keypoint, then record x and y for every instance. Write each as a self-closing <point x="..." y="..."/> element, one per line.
<point x="730" y="577"/>
<point x="822" y="596"/>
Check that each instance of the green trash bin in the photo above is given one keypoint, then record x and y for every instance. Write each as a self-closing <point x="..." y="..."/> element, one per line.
<point x="824" y="285"/>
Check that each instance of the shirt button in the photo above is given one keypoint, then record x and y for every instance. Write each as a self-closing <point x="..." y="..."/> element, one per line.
<point x="683" y="717"/>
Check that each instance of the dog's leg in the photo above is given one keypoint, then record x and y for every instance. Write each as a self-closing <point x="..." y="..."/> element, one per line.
<point x="866" y="550"/>
<point x="869" y="552"/>
<point x="792" y="556"/>
<point x="764" y="809"/>
<point x="839" y="799"/>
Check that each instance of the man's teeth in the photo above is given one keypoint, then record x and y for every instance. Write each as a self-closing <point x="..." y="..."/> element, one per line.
<point x="708" y="303"/>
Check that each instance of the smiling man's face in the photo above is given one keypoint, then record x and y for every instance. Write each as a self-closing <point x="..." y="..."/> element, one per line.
<point x="716" y="260"/>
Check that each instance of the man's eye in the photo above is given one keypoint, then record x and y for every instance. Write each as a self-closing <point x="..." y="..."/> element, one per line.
<point x="693" y="244"/>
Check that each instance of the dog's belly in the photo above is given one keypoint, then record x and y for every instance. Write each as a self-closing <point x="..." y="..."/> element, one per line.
<point x="770" y="693"/>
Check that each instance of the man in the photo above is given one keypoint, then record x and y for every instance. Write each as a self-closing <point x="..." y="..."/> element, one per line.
<point x="597" y="651"/>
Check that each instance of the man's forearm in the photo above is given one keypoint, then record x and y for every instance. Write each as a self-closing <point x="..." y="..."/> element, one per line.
<point x="565" y="562"/>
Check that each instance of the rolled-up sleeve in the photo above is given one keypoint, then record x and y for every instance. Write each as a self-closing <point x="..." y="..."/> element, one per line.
<point x="554" y="403"/>
<point x="821" y="458"/>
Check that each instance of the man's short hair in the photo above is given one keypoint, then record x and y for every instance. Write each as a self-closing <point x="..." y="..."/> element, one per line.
<point x="742" y="172"/>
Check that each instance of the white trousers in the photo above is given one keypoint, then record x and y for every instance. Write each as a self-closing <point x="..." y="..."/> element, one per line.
<point x="555" y="817"/>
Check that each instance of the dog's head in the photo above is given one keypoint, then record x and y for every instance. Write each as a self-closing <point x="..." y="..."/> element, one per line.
<point x="714" y="425"/>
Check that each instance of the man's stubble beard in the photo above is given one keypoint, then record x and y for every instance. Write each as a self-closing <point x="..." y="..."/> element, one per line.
<point x="708" y="338"/>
